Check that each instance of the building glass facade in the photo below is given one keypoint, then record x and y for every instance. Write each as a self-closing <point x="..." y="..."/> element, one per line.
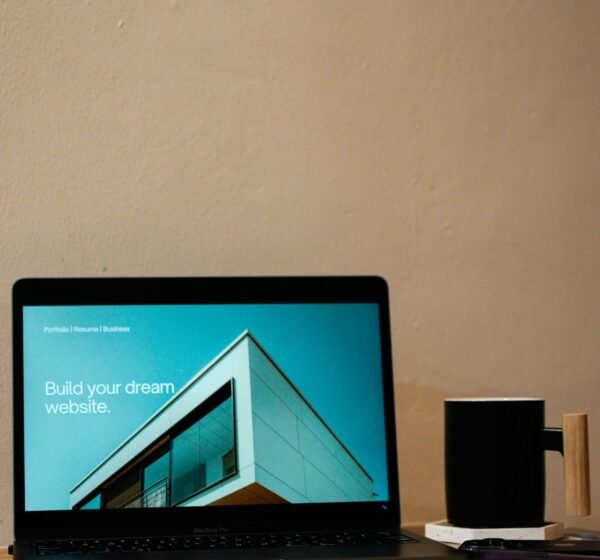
<point x="197" y="453"/>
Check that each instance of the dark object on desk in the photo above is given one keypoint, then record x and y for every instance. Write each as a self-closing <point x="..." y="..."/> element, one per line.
<point x="562" y="549"/>
<point x="494" y="453"/>
<point x="228" y="461"/>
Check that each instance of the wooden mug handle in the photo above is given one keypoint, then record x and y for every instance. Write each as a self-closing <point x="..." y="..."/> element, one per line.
<point x="577" y="464"/>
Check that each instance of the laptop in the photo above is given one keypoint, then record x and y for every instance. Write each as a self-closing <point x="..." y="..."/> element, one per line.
<point x="232" y="417"/>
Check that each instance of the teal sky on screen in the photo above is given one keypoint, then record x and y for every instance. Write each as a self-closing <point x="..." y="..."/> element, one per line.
<point x="331" y="352"/>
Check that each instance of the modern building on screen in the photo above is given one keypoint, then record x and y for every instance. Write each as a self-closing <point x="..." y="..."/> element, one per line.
<point x="238" y="432"/>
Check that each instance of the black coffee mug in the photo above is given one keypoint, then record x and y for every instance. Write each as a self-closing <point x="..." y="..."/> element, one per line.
<point x="495" y="464"/>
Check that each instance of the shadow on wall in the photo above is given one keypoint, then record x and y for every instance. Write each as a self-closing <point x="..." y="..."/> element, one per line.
<point x="420" y="427"/>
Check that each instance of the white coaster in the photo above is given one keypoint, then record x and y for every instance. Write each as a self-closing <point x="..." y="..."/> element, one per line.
<point x="445" y="532"/>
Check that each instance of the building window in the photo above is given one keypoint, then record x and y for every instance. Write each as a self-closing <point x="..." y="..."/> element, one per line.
<point x="155" y="482"/>
<point x="93" y="503"/>
<point x="124" y="489"/>
<point x="201" y="455"/>
<point x="196" y="453"/>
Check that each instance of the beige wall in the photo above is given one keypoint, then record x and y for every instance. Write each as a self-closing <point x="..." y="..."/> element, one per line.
<point x="452" y="147"/>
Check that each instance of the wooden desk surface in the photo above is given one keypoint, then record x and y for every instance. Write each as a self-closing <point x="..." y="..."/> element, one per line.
<point x="4" y="553"/>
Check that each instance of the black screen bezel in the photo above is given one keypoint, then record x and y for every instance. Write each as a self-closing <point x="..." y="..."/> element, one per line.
<point x="115" y="291"/>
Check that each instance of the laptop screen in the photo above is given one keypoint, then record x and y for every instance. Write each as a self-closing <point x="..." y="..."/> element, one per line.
<point x="135" y="400"/>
